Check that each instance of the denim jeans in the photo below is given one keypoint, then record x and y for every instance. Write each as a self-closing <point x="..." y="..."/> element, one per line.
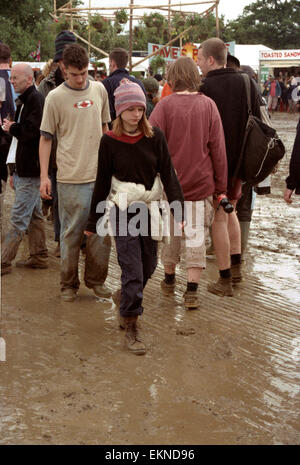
<point x="74" y="202"/>
<point x="26" y="215"/>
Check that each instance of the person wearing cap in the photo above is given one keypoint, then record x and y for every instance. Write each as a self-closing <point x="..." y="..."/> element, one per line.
<point x="77" y="112"/>
<point x="118" y="59"/>
<point x="130" y="157"/>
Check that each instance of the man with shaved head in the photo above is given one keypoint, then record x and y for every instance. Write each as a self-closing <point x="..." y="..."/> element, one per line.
<point x="23" y="163"/>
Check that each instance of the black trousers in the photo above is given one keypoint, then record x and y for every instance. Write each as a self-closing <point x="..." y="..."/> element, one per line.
<point x="137" y="257"/>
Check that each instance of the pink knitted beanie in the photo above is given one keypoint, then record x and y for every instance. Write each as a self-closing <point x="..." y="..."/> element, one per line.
<point x="128" y="94"/>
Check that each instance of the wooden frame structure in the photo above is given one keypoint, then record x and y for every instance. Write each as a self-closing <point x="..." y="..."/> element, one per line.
<point x="170" y="8"/>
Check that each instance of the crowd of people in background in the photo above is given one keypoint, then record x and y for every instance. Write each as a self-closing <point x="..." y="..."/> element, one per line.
<point x="74" y="141"/>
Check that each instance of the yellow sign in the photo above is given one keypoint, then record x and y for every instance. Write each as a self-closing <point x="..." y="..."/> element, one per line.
<point x="190" y="50"/>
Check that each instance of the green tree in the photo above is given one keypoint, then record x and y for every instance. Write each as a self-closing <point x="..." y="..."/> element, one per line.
<point x="274" y="23"/>
<point x="24" y="23"/>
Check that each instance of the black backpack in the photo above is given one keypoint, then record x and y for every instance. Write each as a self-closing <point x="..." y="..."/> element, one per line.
<point x="262" y="149"/>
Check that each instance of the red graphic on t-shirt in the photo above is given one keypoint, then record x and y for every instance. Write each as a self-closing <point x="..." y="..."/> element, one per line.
<point x="84" y="104"/>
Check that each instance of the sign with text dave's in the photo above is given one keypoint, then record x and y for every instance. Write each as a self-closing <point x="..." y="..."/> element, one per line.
<point x="172" y="53"/>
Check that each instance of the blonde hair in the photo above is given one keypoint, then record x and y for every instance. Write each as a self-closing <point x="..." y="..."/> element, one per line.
<point x="183" y="74"/>
<point x="144" y="126"/>
<point x="47" y="68"/>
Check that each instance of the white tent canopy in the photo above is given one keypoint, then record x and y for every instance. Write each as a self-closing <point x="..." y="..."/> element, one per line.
<point x="249" y="54"/>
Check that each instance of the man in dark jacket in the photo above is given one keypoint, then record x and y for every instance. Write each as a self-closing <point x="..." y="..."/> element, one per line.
<point x="118" y="59"/>
<point x="226" y="87"/>
<point x="23" y="162"/>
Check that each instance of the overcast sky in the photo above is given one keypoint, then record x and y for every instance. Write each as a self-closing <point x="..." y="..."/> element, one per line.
<point x="229" y="8"/>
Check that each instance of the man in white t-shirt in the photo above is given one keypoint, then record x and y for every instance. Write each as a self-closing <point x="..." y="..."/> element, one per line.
<point x="77" y="111"/>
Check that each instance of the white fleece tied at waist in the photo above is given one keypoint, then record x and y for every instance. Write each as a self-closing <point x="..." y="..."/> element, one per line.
<point x="138" y="193"/>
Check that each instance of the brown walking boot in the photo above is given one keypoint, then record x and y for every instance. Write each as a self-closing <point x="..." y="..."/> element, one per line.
<point x="167" y="289"/>
<point x="236" y="273"/>
<point x="191" y="301"/>
<point x="222" y="287"/>
<point x="133" y="340"/>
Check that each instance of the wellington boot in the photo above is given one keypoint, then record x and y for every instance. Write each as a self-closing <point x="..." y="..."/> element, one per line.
<point x="236" y="273"/>
<point x="133" y="341"/>
<point x="222" y="287"/>
<point x="245" y="227"/>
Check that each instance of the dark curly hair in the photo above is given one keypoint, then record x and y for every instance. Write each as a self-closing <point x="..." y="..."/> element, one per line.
<point x="75" y="55"/>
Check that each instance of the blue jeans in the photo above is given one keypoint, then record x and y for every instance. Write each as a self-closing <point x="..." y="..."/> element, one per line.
<point x="74" y="202"/>
<point x="26" y="215"/>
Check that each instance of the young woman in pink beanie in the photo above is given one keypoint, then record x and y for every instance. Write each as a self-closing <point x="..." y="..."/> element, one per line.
<point x="131" y="156"/>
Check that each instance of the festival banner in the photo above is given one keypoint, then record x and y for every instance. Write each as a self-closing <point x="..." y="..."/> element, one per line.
<point x="171" y="53"/>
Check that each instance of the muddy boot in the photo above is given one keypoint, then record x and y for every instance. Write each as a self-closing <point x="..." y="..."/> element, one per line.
<point x="222" y="287"/>
<point x="133" y="340"/>
<point x="191" y="301"/>
<point x="236" y="273"/>
<point x="167" y="289"/>
<point x="35" y="261"/>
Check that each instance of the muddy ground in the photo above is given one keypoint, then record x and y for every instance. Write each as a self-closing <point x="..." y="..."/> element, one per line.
<point x="227" y="373"/>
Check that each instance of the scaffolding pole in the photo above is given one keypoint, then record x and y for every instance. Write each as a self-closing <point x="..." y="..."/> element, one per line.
<point x="136" y="7"/>
<point x="217" y="19"/>
<point x="130" y="35"/>
<point x="68" y="9"/>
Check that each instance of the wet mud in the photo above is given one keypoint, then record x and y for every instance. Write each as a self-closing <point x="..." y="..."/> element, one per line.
<point x="227" y="373"/>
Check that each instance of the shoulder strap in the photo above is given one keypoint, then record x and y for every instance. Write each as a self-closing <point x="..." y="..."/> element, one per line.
<point x="248" y="91"/>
